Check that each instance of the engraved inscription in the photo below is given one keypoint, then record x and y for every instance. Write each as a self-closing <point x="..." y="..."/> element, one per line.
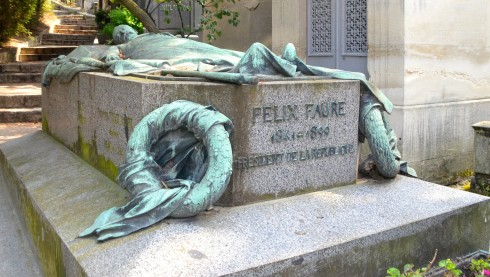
<point x="293" y="156"/>
<point x="315" y="132"/>
<point x="316" y="129"/>
<point x="275" y="114"/>
<point x="325" y="109"/>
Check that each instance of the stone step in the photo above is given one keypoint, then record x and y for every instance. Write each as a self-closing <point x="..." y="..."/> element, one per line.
<point x="20" y="101"/>
<point x="67" y="39"/>
<point x="43" y="53"/>
<point x="59" y="13"/>
<point x="69" y="42"/>
<point x="72" y="16"/>
<point x="355" y="230"/>
<point x="20" y="77"/>
<point x="34" y="67"/>
<point x="14" y="95"/>
<point x="74" y="27"/>
<point x="37" y="57"/>
<point x="47" y="50"/>
<point x="86" y="22"/>
<point x="52" y="36"/>
<point x="20" y="115"/>
<point x="76" y="32"/>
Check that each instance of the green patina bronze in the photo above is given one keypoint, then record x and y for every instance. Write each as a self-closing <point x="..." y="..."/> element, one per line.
<point x="178" y="163"/>
<point x="179" y="158"/>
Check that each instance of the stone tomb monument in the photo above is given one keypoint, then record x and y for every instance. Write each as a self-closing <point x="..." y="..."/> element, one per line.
<point x="350" y="230"/>
<point x="290" y="137"/>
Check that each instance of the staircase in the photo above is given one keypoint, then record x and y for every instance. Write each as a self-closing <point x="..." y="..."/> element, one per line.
<point x="20" y="88"/>
<point x="20" y="92"/>
<point x="73" y="30"/>
<point x="43" y="52"/>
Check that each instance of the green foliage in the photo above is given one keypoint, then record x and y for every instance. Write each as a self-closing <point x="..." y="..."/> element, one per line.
<point x="481" y="185"/>
<point x="451" y="268"/>
<point x="17" y="17"/>
<point x="102" y="18"/>
<point x="212" y="12"/>
<point x="408" y="271"/>
<point x="480" y="266"/>
<point x="121" y="16"/>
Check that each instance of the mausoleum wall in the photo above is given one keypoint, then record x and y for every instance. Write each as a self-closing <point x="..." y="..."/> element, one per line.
<point x="255" y="26"/>
<point x="432" y="59"/>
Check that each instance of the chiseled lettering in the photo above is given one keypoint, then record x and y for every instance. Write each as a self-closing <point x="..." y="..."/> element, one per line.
<point x="351" y="148"/>
<point x="334" y="108"/>
<point x="325" y="110"/>
<point x="277" y="114"/>
<point x="292" y="156"/>
<point x="317" y="111"/>
<point x="292" y="112"/>
<point x="244" y="162"/>
<point x="317" y="153"/>
<point x="309" y="108"/>
<point x="266" y="112"/>
<point x="255" y="113"/>
<point x="342" y="149"/>
<point x="341" y="108"/>
<point x="304" y="155"/>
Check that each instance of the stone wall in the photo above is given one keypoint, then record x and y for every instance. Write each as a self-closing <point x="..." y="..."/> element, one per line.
<point x="255" y="26"/>
<point x="289" y="25"/>
<point x="432" y="59"/>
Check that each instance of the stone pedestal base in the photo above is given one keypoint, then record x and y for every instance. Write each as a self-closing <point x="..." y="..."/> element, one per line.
<point x="353" y="230"/>
<point x="290" y="137"/>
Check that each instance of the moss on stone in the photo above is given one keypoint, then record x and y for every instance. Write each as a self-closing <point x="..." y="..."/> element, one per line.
<point x="45" y="240"/>
<point x="113" y="133"/>
<point x="44" y="123"/>
<point x="88" y="152"/>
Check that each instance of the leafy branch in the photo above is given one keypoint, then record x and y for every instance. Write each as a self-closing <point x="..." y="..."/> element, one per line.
<point x="212" y="12"/>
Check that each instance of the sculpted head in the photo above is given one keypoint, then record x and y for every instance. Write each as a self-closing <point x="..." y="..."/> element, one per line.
<point x="123" y="34"/>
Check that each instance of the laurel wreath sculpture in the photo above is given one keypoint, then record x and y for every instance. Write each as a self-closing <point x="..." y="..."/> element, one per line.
<point x="178" y="163"/>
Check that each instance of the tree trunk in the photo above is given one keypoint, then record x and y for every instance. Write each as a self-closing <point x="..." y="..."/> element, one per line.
<point x="141" y="15"/>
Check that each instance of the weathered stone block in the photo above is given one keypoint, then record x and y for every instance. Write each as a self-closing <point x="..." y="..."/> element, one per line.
<point x="290" y="136"/>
